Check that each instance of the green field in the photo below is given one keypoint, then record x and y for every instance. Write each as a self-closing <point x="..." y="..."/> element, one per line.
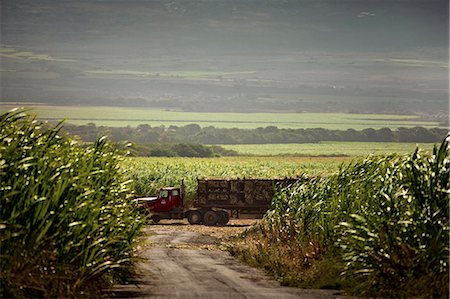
<point x="149" y="174"/>
<point x="122" y="117"/>
<point x="327" y="148"/>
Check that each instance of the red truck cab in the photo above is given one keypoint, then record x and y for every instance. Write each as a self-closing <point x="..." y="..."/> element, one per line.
<point x="168" y="204"/>
<point x="167" y="199"/>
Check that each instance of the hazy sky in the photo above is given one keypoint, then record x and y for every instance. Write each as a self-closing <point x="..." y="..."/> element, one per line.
<point x="226" y="26"/>
<point x="84" y="50"/>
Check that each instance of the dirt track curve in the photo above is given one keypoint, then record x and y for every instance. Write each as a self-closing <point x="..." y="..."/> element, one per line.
<point x="183" y="261"/>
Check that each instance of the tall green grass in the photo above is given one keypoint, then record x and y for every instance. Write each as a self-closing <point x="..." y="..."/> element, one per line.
<point x="66" y="223"/>
<point x="383" y="221"/>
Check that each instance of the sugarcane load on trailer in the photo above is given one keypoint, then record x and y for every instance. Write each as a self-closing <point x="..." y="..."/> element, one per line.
<point x="217" y="200"/>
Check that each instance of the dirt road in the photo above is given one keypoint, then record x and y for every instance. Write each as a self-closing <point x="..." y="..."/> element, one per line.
<point x="183" y="261"/>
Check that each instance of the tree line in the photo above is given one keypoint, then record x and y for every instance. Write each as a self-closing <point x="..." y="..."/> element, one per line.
<point x="194" y="134"/>
<point x="177" y="150"/>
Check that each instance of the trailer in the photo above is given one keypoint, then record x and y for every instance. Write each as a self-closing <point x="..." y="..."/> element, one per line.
<point x="216" y="200"/>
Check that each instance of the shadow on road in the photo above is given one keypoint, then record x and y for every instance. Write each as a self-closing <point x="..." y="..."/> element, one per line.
<point x="186" y="224"/>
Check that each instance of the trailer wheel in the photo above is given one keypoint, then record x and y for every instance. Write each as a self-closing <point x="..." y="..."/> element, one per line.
<point x="155" y="218"/>
<point x="224" y="217"/>
<point x="210" y="218"/>
<point x="194" y="217"/>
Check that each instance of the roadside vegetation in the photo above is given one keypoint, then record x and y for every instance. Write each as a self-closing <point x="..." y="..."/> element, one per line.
<point x="67" y="227"/>
<point x="378" y="227"/>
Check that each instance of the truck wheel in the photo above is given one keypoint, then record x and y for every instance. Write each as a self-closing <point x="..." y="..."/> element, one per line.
<point x="210" y="218"/>
<point x="224" y="217"/>
<point x="155" y="218"/>
<point x="194" y="217"/>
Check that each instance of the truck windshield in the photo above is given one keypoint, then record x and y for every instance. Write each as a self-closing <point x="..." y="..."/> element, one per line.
<point x="164" y="193"/>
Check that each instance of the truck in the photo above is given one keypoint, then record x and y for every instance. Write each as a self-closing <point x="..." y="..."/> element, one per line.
<point x="216" y="200"/>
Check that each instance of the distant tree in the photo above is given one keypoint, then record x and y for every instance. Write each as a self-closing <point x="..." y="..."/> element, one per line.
<point x="162" y="151"/>
<point x="403" y="135"/>
<point x="149" y="137"/>
<point x="349" y="135"/>
<point x="423" y="135"/>
<point x="385" y="135"/>
<point x="270" y="129"/>
<point x="370" y="134"/>
<point x="144" y="128"/>
<point x="192" y="129"/>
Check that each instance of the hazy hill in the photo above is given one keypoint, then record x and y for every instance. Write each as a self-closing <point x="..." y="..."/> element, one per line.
<point x="216" y="55"/>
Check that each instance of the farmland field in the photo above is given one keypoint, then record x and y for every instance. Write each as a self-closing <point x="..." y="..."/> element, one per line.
<point x="149" y="174"/>
<point x="327" y="148"/>
<point x="122" y="117"/>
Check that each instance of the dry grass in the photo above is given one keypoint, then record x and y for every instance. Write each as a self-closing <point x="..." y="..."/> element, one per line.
<point x="233" y="228"/>
<point x="288" y="262"/>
